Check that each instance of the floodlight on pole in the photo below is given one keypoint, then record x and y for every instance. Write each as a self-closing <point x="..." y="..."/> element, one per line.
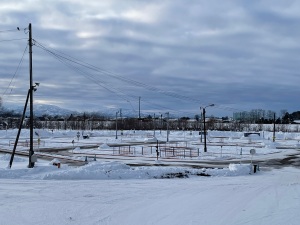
<point x="204" y="128"/>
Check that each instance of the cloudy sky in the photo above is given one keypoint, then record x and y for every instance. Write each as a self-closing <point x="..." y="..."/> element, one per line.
<point x="176" y="55"/>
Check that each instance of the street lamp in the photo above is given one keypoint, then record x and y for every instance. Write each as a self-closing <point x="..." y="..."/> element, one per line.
<point x="160" y="123"/>
<point x="201" y="131"/>
<point x="204" y="128"/>
<point x="154" y="127"/>
<point x="117" y="124"/>
<point x="168" y="114"/>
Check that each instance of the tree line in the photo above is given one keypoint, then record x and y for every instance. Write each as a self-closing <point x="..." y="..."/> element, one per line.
<point x="94" y="121"/>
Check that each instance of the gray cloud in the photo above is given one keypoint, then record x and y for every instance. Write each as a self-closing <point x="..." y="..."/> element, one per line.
<point x="236" y="54"/>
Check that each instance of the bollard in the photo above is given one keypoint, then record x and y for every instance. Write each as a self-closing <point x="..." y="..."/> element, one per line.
<point x="254" y="168"/>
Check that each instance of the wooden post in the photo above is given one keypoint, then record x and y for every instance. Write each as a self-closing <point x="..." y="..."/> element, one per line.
<point x="274" y="129"/>
<point x="31" y="152"/>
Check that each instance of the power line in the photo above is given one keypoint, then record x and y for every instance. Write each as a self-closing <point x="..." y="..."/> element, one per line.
<point x="15" y="39"/>
<point x="18" y="67"/>
<point x="129" y="81"/>
<point x="70" y="61"/>
<point x="97" y="80"/>
<point x="88" y="76"/>
<point x="10" y="30"/>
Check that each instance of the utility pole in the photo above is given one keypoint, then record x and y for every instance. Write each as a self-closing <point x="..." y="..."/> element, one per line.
<point x="31" y="152"/>
<point x="117" y="124"/>
<point x="139" y="107"/>
<point x="121" y="127"/>
<point x="205" y="148"/>
<point x="160" y="122"/>
<point x="274" y="128"/>
<point x="168" y="126"/>
<point x="154" y="124"/>
<point x="204" y="128"/>
<point x="201" y="131"/>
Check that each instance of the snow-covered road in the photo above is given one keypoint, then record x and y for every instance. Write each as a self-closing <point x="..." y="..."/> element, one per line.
<point x="109" y="192"/>
<point x="267" y="198"/>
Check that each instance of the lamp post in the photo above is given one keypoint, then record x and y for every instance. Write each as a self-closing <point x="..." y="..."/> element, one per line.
<point x="204" y="128"/>
<point x="154" y="127"/>
<point x="117" y="124"/>
<point x="168" y="126"/>
<point x="160" y="122"/>
<point x="201" y="131"/>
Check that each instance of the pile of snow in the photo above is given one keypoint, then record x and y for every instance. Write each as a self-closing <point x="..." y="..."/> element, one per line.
<point x="154" y="139"/>
<point x="240" y="168"/>
<point x="103" y="146"/>
<point x="7" y="157"/>
<point x="252" y="137"/>
<point x="272" y="145"/>
<point x="54" y="161"/>
<point x="116" y="170"/>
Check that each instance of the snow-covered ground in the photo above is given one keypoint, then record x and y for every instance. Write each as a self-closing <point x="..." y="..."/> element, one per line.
<point x="111" y="192"/>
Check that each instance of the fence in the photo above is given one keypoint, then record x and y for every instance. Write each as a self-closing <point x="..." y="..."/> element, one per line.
<point x="26" y="143"/>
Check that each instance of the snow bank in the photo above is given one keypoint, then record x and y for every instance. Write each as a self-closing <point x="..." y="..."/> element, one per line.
<point x="116" y="170"/>
<point x="272" y="145"/>
<point x="103" y="146"/>
<point x="7" y="157"/>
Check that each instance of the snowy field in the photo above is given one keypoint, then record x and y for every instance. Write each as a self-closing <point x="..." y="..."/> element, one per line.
<point x="109" y="191"/>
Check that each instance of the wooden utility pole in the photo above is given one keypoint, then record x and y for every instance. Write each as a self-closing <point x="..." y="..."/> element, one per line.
<point x="205" y="148"/>
<point x="31" y="152"/>
<point x="274" y="127"/>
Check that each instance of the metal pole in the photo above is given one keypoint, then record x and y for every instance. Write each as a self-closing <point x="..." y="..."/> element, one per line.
<point x="157" y="154"/>
<point x="201" y="127"/>
<point x="160" y="122"/>
<point x="31" y="152"/>
<point x="139" y="107"/>
<point x="154" y="125"/>
<point x="116" y="125"/>
<point x="204" y="128"/>
<point x="139" y="113"/>
<point x="168" y="127"/>
<point x="274" y="128"/>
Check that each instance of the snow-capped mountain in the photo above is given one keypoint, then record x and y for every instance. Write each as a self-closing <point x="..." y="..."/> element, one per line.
<point x="41" y="109"/>
<point x="53" y="110"/>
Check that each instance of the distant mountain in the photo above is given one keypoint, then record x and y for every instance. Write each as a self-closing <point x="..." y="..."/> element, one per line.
<point x="124" y="112"/>
<point x="41" y="109"/>
<point x="52" y="110"/>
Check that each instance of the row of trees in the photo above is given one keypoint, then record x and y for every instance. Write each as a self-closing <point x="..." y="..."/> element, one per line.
<point x="78" y="123"/>
<point x="93" y="121"/>
<point x="260" y="116"/>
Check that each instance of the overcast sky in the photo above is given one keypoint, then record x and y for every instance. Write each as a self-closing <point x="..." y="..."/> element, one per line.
<point x="177" y="55"/>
